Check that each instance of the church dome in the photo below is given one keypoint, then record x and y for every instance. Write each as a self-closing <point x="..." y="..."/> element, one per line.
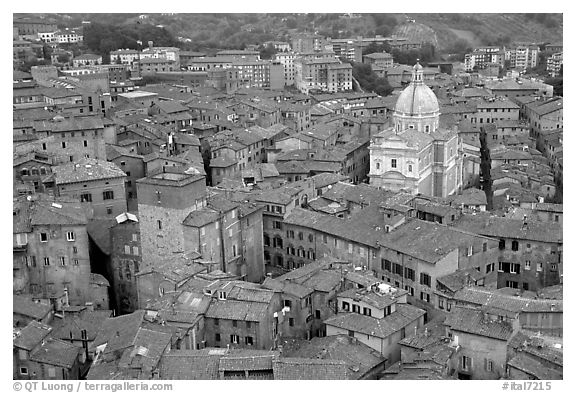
<point x="417" y="99"/>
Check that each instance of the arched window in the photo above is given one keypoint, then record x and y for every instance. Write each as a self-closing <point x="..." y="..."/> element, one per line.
<point x="300" y="236"/>
<point x="24" y="172"/>
<point x="266" y="240"/>
<point x="35" y="171"/>
<point x="311" y="254"/>
<point x="310" y="238"/>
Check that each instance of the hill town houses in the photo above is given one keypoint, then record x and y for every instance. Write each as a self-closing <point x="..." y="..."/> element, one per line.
<point x="241" y="218"/>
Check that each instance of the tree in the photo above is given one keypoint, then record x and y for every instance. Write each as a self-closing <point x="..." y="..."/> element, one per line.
<point x="291" y="23"/>
<point x="267" y="52"/>
<point x="64" y="58"/>
<point x="368" y="80"/>
<point x="485" y="167"/>
<point x="557" y="84"/>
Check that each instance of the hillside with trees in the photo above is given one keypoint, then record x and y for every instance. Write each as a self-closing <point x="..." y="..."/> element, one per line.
<point x="449" y="33"/>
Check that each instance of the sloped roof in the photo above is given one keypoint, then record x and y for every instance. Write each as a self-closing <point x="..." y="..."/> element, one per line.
<point x="287" y="287"/>
<point x="86" y="169"/>
<point x="72" y="326"/>
<point x="201" y="218"/>
<point x="190" y="365"/>
<point x="533" y="367"/>
<point x="382" y="328"/>
<point x="43" y="211"/>
<point x="310" y="369"/>
<point x="31" y="335"/>
<point x="56" y="352"/>
<point x="24" y="306"/>
<point x="78" y="124"/>
<point x="474" y="322"/>
<point x="486" y="297"/>
<point x="359" y="357"/>
<point x="501" y="227"/>
<point x="119" y="332"/>
<point x="171" y="107"/>
<point x="425" y="240"/>
<point x="237" y="310"/>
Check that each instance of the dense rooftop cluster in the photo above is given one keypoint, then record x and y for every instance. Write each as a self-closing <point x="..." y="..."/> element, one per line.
<point x="184" y="215"/>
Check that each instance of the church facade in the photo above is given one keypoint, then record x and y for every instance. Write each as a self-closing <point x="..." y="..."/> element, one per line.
<point x="416" y="155"/>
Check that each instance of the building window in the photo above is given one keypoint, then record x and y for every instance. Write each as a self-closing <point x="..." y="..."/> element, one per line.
<point x="394" y="163"/>
<point x="345" y="306"/>
<point x="85" y="143"/>
<point x="23" y="370"/>
<point x="222" y="296"/>
<point x="109" y="210"/>
<point x="249" y="340"/>
<point x="310" y="238"/>
<point x="76" y="262"/>
<point x="441" y="304"/>
<point x="291" y="321"/>
<point x="70" y="236"/>
<point x="386" y="265"/>
<point x="159" y="222"/>
<point x="351" y="333"/>
<point x="317" y="314"/>
<point x="234" y="339"/>
<point x="502" y="244"/>
<point x="409" y="167"/>
<point x="356" y="308"/>
<point x="46" y="261"/>
<point x="367" y="311"/>
<point x="87" y="197"/>
<point x="465" y="362"/>
<point x="135" y="250"/>
<point x="553" y="267"/>
<point x="217" y="336"/>
<point x="234" y="323"/>
<point x="425" y="279"/>
<point x="514" y="245"/>
<point x="484" y="245"/>
<point x="62" y="261"/>
<point x="106" y="195"/>
<point x="489" y="365"/>
<point x="43" y="237"/>
<point x="527" y="265"/>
